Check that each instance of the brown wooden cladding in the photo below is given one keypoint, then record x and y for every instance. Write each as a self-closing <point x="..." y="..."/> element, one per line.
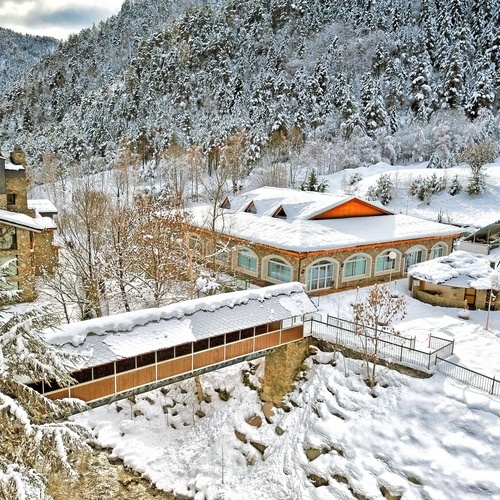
<point x="239" y="348"/>
<point x="208" y="358"/>
<point x="135" y="378"/>
<point x="292" y="334"/>
<point x="124" y="374"/>
<point x="174" y="367"/>
<point x="93" y="390"/>
<point x="267" y="341"/>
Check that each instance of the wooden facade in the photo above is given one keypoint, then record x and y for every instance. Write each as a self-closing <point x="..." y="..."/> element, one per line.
<point x="96" y="382"/>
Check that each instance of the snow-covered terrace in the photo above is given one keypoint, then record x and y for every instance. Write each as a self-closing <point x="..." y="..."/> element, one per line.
<point x="459" y="269"/>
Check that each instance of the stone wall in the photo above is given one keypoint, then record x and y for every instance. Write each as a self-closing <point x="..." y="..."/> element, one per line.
<point x="281" y="368"/>
<point x="300" y="263"/>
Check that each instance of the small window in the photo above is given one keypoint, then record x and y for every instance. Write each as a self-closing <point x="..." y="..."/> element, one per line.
<point x="83" y="375"/>
<point x="226" y="204"/>
<point x="355" y="266"/>
<point x="437" y="251"/>
<point x="386" y="262"/>
<point x="246" y="334"/>
<point x="104" y="370"/>
<point x="183" y="349"/>
<point x="279" y="270"/>
<point x="11" y="199"/>
<point x="280" y="213"/>
<point x="8" y="239"/>
<point x="146" y="359"/>
<point x="194" y="243"/>
<point x="221" y="253"/>
<point x="247" y="260"/>
<point x="217" y="341"/>
<point x="232" y="337"/>
<point x="261" y="329"/>
<point x="124" y="365"/>
<point x="251" y="208"/>
<point x="165" y="354"/>
<point x="200" y="345"/>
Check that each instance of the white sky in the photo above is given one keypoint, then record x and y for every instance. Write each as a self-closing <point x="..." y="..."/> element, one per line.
<point x="55" y="18"/>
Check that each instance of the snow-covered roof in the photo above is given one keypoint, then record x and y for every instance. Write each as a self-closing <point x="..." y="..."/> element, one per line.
<point x="138" y="332"/>
<point x="300" y="234"/>
<point x="42" y="205"/>
<point x="22" y="220"/>
<point x="8" y="164"/>
<point x="298" y="205"/>
<point x="459" y="269"/>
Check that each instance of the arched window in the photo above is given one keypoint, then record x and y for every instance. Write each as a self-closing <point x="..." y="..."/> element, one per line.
<point x="386" y="261"/>
<point x="247" y="260"/>
<point x="437" y="251"/>
<point x="278" y="269"/>
<point x="355" y="266"/>
<point x="320" y="275"/>
<point x="413" y="256"/>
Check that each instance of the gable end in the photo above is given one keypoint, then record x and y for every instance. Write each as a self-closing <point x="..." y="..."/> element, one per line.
<point x="351" y="208"/>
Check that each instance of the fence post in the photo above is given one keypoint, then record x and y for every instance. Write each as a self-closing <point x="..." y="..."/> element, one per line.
<point x="493" y="385"/>
<point x="452" y="346"/>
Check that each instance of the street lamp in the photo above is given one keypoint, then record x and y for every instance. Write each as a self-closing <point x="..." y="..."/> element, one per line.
<point x="494" y="279"/>
<point x="392" y="256"/>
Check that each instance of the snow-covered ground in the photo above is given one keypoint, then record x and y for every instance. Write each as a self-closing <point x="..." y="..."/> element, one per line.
<point x="420" y="438"/>
<point x="431" y="438"/>
<point x="461" y="209"/>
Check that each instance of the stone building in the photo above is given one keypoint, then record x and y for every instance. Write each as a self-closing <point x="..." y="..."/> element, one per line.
<point x="26" y="238"/>
<point x="327" y="242"/>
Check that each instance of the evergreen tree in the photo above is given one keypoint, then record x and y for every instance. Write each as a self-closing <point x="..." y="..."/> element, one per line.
<point x="453" y="85"/>
<point x="381" y="191"/>
<point x="311" y="183"/>
<point x="37" y="446"/>
<point x="455" y="186"/>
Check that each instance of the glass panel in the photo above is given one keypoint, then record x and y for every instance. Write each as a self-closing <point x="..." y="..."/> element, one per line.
<point x="183" y="349"/>
<point x="104" y="370"/>
<point x="124" y="365"/>
<point x="82" y="375"/>
<point x="165" y="354"/>
<point x="355" y="266"/>
<point x="217" y="341"/>
<point x="320" y="275"/>
<point x="146" y="359"/>
<point x="247" y="260"/>
<point x="200" y="345"/>
<point x="232" y="337"/>
<point x="279" y="270"/>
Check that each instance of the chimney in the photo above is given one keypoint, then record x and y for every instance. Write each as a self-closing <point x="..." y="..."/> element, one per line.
<point x="2" y="174"/>
<point x="18" y="157"/>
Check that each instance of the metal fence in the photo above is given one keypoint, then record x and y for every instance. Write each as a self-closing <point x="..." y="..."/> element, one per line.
<point x="399" y="349"/>
<point x="468" y="376"/>
<point x="395" y="350"/>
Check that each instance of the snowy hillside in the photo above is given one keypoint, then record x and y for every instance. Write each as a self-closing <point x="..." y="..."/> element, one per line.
<point x="461" y="209"/>
<point x="415" y="438"/>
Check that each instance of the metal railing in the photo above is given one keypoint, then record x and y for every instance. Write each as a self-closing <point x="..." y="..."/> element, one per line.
<point x="467" y="376"/>
<point x="393" y="337"/>
<point x="398" y="349"/>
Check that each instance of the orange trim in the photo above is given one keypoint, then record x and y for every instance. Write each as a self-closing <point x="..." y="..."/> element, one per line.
<point x="301" y="255"/>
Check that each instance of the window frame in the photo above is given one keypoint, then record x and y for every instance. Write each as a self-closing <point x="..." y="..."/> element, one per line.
<point x="444" y="250"/>
<point x="353" y="258"/>
<point x="385" y="255"/>
<point x="317" y="265"/>
<point x="250" y="254"/>
<point x="280" y="265"/>
<point x="413" y="250"/>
